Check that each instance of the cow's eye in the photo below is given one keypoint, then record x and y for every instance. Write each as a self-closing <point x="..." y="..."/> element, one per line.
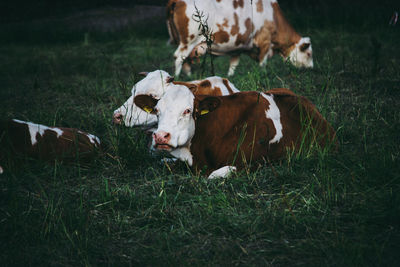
<point x="187" y="111"/>
<point x="155" y="110"/>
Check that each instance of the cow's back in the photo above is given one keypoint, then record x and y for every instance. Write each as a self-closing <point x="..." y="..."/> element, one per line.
<point x="302" y="123"/>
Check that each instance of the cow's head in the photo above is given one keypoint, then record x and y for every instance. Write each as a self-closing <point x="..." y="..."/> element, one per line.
<point x="177" y="111"/>
<point x="154" y="84"/>
<point x="301" y="55"/>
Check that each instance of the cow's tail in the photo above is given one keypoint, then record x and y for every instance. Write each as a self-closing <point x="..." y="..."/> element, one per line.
<point x="172" y="30"/>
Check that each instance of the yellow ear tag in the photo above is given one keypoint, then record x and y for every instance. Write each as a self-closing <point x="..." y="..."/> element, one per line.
<point x="204" y="111"/>
<point x="147" y="109"/>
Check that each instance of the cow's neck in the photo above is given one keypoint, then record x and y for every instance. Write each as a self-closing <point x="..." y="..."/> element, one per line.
<point x="285" y="37"/>
<point x="214" y="131"/>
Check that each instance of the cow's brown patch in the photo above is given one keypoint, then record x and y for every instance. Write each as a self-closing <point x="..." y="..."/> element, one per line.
<point x="181" y="21"/>
<point x="244" y="38"/>
<point x="262" y="39"/>
<point x="202" y="88"/>
<point x="170" y="8"/>
<point x="193" y="87"/>
<point x="223" y="25"/>
<point x="208" y="90"/>
<point x="286" y="37"/>
<point x="281" y="91"/>
<point x="235" y="26"/>
<point x="172" y="30"/>
<point x="260" y="7"/>
<point x="237" y="3"/>
<point x="183" y="48"/>
<point x="218" y="1"/>
<point x="205" y="83"/>
<point x="191" y="36"/>
<point x="216" y="91"/>
<point x="226" y="83"/>
<point x="221" y="37"/>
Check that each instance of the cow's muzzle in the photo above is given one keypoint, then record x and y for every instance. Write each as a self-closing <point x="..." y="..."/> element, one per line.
<point x="117" y="118"/>
<point x="161" y="140"/>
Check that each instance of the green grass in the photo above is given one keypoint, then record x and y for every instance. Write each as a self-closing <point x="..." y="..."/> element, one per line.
<point x="335" y="209"/>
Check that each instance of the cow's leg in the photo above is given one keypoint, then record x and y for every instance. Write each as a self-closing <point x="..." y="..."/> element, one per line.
<point x="264" y="54"/>
<point x="187" y="68"/>
<point x="233" y="62"/>
<point x="262" y="40"/>
<point x="178" y="62"/>
<point x="195" y="49"/>
<point x="181" y="54"/>
<point x="222" y="172"/>
<point x="263" y="60"/>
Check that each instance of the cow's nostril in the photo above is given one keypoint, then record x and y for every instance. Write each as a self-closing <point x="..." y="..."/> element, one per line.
<point x="166" y="135"/>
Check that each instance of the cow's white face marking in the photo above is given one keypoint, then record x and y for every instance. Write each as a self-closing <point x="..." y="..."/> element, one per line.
<point x="175" y="117"/>
<point x="274" y="114"/>
<point x="34" y="129"/>
<point x="301" y="57"/>
<point x="153" y="84"/>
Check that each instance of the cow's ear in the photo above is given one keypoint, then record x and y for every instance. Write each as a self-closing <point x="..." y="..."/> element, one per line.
<point x="146" y="102"/>
<point x="170" y="79"/>
<point x="192" y="87"/>
<point x="143" y="73"/>
<point x="304" y="47"/>
<point x="207" y="105"/>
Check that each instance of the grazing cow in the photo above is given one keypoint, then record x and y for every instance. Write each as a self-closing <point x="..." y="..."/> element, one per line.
<point x="225" y="132"/>
<point x="46" y="143"/>
<point x="257" y="28"/>
<point x="155" y="84"/>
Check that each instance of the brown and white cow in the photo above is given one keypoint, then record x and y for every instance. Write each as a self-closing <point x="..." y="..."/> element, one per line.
<point x="46" y="143"/>
<point x="155" y="84"/>
<point x="257" y="28"/>
<point x="225" y="132"/>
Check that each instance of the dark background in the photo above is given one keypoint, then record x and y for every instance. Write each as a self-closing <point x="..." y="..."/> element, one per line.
<point x="22" y="10"/>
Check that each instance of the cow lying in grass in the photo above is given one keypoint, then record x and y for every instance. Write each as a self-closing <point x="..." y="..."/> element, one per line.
<point x="256" y="28"/>
<point x="155" y="84"/>
<point x="223" y="133"/>
<point x="21" y="138"/>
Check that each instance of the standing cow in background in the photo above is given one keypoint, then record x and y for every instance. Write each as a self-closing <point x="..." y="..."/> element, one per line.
<point x="257" y="28"/>
<point x="155" y="84"/>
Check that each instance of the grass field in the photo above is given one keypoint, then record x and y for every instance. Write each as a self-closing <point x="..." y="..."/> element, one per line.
<point x="336" y="209"/>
